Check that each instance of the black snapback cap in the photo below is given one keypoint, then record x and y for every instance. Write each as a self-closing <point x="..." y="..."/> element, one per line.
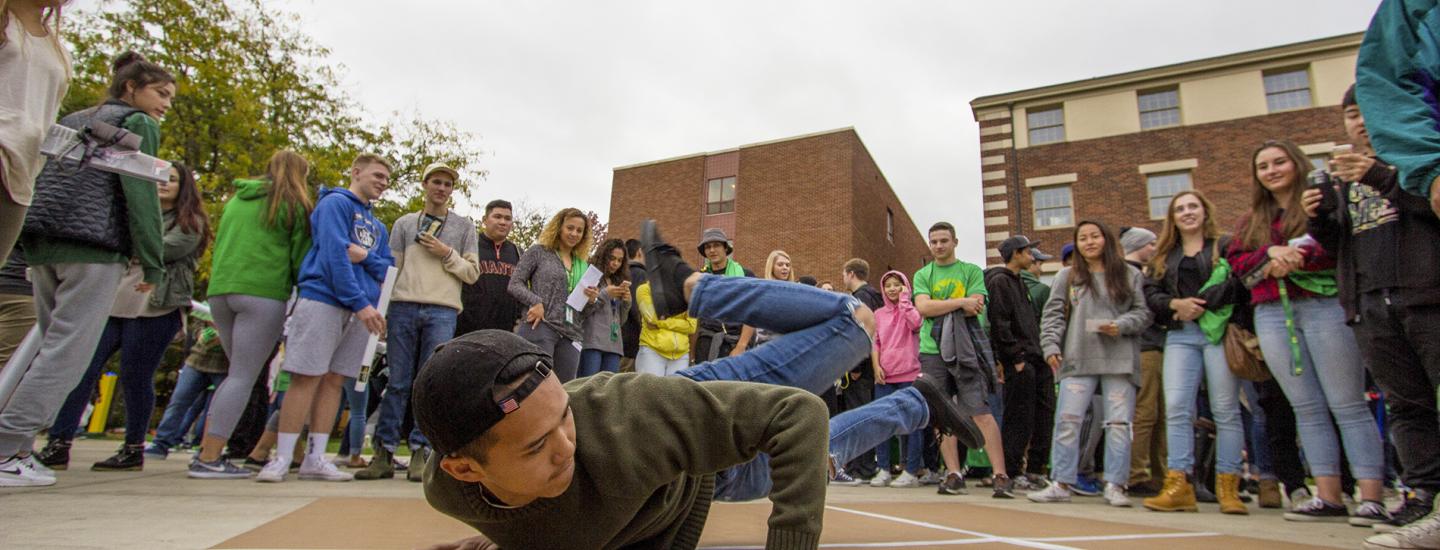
<point x="464" y="388"/>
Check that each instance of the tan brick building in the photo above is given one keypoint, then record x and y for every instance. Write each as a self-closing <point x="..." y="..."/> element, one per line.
<point x="1116" y="148"/>
<point x="820" y="197"/>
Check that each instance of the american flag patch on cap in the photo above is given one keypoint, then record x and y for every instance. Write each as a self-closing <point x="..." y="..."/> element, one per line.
<point x="509" y="405"/>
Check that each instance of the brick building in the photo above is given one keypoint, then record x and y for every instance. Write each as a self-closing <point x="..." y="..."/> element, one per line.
<point x="1116" y="148"/>
<point x="819" y="197"/>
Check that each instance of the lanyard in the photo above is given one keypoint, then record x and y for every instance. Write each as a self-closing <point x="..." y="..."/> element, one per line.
<point x="1297" y="366"/>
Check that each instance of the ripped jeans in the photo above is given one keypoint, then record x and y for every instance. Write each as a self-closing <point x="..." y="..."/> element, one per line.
<point x="1070" y="405"/>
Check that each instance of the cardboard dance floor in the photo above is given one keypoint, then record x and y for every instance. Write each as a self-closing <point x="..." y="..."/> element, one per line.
<point x="373" y="523"/>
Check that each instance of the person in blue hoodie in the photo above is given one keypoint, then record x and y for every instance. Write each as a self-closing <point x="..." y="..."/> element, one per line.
<point x="339" y="284"/>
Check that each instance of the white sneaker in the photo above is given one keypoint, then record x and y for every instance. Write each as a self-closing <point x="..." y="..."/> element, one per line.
<point x="39" y="467"/>
<point x="316" y="468"/>
<point x="1055" y="492"/>
<point x="21" y="472"/>
<point x="881" y="479"/>
<point x="274" y="471"/>
<point x="1115" y="496"/>
<point x="1422" y="534"/>
<point x="905" y="481"/>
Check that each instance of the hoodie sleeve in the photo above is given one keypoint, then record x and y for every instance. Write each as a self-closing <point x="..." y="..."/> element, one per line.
<point x="1395" y="82"/>
<point x="379" y="260"/>
<point x="331" y="230"/>
<point x="1008" y="348"/>
<point x="1053" y="322"/>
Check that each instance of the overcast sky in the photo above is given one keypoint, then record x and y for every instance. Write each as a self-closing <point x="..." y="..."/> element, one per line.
<point x="562" y="92"/>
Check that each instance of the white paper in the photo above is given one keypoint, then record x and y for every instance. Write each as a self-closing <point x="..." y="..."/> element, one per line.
<point x="372" y="341"/>
<point x="1093" y="325"/>
<point x="577" y="299"/>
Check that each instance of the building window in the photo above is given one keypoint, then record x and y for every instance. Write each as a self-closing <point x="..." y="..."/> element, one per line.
<point x="890" y="224"/>
<point x="1162" y="187"/>
<point x="1159" y="108"/>
<point x="720" y="197"/>
<point x="1287" y="89"/>
<point x="1054" y="207"/>
<point x="1047" y="125"/>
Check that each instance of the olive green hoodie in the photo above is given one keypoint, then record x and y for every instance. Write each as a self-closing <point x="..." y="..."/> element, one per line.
<point x="253" y="257"/>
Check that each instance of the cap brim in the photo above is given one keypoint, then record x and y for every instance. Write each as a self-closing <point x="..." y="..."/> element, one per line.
<point x="1040" y="256"/>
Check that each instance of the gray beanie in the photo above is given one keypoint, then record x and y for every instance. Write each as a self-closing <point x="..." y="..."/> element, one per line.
<point x="1136" y="238"/>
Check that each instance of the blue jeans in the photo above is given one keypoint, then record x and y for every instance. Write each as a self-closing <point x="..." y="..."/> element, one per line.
<point x="141" y="343"/>
<point x="1254" y="418"/>
<point x="1074" y="398"/>
<point x="1332" y="380"/>
<point x="822" y="341"/>
<point x="1188" y="357"/>
<point x="356" y="401"/>
<point x="914" y="442"/>
<point x="189" y="390"/>
<point x="414" y="331"/>
<point x="594" y="361"/>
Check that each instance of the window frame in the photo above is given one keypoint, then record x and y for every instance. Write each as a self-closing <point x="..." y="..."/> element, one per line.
<point x="1035" y="205"/>
<point x="1030" y="128"/>
<point x="1140" y="108"/>
<point x="722" y="206"/>
<point x="890" y="225"/>
<point x="1309" y="88"/>
<point x="1150" y="193"/>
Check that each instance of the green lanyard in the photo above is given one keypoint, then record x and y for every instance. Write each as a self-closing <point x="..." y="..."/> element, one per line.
<point x="1297" y="365"/>
<point x="577" y="271"/>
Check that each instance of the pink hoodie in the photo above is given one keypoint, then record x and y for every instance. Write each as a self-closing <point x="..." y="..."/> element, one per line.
<point x="897" y="334"/>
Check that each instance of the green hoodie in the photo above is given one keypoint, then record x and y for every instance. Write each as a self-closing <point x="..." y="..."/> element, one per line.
<point x="252" y="257"/>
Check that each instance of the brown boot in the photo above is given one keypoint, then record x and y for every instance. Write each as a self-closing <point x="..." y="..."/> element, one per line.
<point x="1227" y="492"/>
<point x="380" y="466"/>
<point x="1177" y="496"/>
<point x="1269" y="496"/>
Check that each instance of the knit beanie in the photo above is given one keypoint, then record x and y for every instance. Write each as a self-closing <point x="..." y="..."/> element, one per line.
<point x="1136" y="238"/>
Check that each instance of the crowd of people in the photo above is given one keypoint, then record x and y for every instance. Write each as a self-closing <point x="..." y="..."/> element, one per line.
<point x="1287" y="362"/>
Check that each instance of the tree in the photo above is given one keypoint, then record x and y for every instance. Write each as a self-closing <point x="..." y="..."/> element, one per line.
<point x="250" y="82"/>
<point x="528" y="222"/>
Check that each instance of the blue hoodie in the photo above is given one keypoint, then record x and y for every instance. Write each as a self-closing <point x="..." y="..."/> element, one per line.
<point x="339" y="220"/>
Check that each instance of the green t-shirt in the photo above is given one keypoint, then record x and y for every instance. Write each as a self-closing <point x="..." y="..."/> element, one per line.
<point x="944" y="282"/>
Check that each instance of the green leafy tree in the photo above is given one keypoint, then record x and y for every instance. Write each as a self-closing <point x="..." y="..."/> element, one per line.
<point x="250" y="82"/>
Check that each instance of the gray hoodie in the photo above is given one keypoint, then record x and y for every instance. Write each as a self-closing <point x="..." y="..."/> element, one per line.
<point x="1091" y="353"/>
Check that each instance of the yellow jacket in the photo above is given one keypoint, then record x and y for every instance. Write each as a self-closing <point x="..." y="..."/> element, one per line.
<point x="668" y="337"/>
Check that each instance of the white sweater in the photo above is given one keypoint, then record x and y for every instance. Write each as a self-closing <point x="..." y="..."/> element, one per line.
<point x="33" y="80"/>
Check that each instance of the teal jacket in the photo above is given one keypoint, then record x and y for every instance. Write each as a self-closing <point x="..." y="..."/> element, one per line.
<point x="1395" y="85"/>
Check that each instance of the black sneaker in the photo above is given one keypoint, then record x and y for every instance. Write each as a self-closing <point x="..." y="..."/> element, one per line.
<point x="1410" y="511"/>
<point x="55" y="455"/>
<point x="1315" y="510"/>
<point x="1369" y="513"/>
<point x="946" y="415"/>
<point x="253" y="465"/>
<point x="131" y="458"/>
<point x="954" y="484"/>
<point x="665" y="270"/>
<point x="1004" y="487"/>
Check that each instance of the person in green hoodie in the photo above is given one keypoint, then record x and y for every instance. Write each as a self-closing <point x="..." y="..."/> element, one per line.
<point x="83" y="227"/>
<point x="263" y="237"/>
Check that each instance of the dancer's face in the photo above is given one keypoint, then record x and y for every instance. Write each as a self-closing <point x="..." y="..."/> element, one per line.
<point x="532" y="451"/>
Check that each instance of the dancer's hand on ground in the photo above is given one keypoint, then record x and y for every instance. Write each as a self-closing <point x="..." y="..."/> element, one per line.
<point x="374" y="321"/>
<point x="357" y="253"/>
<point x="535" y="314"/>
<point x="473" y="543"/>
<point x="1054" y="361"/>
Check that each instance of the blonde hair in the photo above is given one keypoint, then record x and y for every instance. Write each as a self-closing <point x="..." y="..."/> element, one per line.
<point x="366" y="159"/>
<point x="1170" y="235"/>
<point x="50" y="18"/>
<point x="770" y="265"/>
<point x="550" y="236"/>
<point x="286" y="172"/>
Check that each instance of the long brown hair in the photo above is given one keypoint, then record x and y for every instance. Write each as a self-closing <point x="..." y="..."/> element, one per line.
<point x="550" y="236"/>
<point x="50" y="18"/>
<point x="1170" y="234"/>
<point x="1117" y="272"/>
<point x="133" y="72"/>
<point x="189" y="210"/>
<point x="286" y="173"/>
<point x="1255" y="227"/>
<point x="601" y="261"/>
